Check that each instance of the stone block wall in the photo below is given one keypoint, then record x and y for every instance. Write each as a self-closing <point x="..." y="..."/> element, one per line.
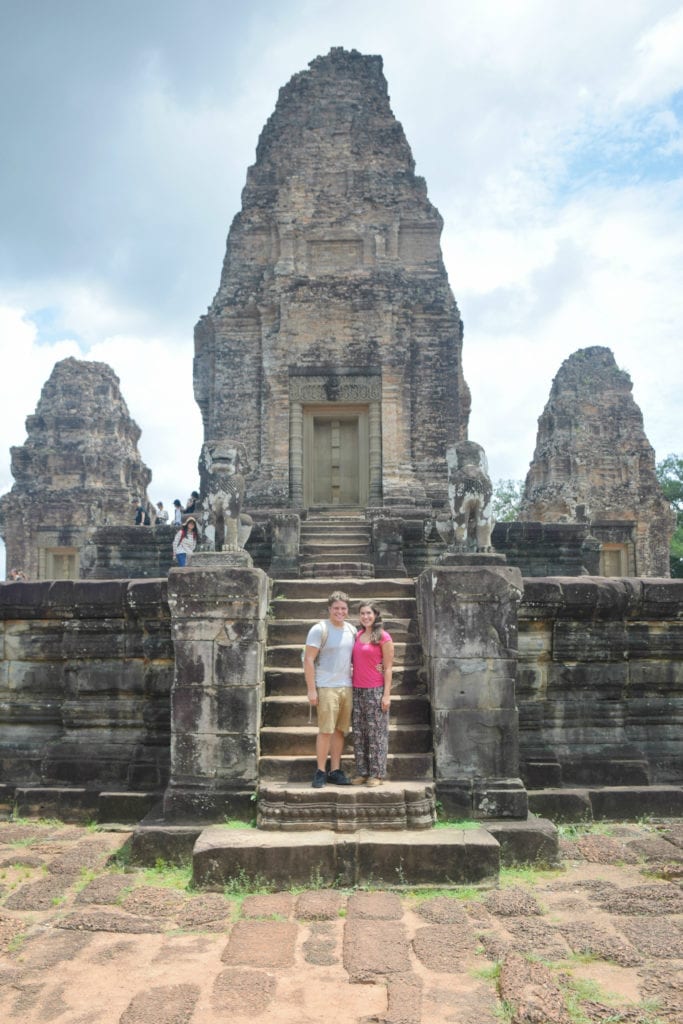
<point x="600" y="681"/>
<point x="85" y="681"/>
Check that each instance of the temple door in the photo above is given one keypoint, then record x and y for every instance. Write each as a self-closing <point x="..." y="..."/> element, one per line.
<point x="335" y="456"/>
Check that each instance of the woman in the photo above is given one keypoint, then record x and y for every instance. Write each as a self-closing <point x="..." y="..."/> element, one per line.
<point x="373" y="661"/>
<point x="185" y="541"/>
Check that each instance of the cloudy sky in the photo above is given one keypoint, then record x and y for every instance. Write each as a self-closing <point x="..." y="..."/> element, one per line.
<point x="550" y="133"/>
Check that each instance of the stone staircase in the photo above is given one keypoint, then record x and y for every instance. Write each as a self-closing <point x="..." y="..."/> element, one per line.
<point x="336" y="545"/>
<point x="288" y="729"/>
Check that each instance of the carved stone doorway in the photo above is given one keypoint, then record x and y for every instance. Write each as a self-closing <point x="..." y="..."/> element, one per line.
<point x="336" y="455"/>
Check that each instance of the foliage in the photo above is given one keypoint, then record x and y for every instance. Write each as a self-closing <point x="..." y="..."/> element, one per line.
<point x="507" y="497"/>
<point x="670" y="476"/>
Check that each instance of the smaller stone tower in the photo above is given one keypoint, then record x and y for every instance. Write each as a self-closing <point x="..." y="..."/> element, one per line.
<point x="79" y="469"/>
<point x="594" y="464"/>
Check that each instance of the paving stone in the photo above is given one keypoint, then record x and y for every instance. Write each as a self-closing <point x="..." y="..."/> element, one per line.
<point x="596" y="941"/>
<point x="319" y="905"/>
<point x="88" y="855"/>
<point x="320" y="947"/>
<point x="443" y="947"/>
<point x="644" y="899"/>
<point x="512" y="902"/>
<point x="279" y="904"/>
<point x="656" y="849"/>
<point x="404" y="1000"/>
<point x="443" y="910"/>
<point x="103" y="921"/>
<point x="261" y="944"/>
<point x="164" y="1004"/>
<point x="42" y="895"/>
<point x="374" y="949"/>
<point x="606" y="850"/>
<point x="654" y="937"/>
<point x="377" y="906"/>
<point x="107" y="889"/>
<point x="250" y="991"/>
<point x="664" y="984"/>
<point x="209" y="908"/>
<point x="10" y="927"/>
<point x="531" y="989"/>
<point x="531" y="936"/>
<point x="22" y="859"/>
<point x="154" y="901"/>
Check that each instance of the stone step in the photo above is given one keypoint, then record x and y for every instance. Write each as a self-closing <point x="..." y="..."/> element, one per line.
<point x="338" y="549"/>
<point x="294" y="710"/>
<point x="299" y="741"/>
<point x="289" y="656"/>
<point x="357" y="590"/>
<point x="411" y="767"/>
<point x="280" y="682"/>
<point x="443" y="857"/>
<point x="392" y="806"/>
<point x="312" y="609"/>
<point x="295" y="631"/>
<point x="342" y="570"/>
<point x="346" y="533"/>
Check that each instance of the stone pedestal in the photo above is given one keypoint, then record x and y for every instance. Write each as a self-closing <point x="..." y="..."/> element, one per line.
<point x="218" y="612"/>
<point x="468" y="623"/>
<point x="286" y="537"/>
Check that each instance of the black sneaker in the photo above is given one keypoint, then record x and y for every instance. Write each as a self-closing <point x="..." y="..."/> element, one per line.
<point x="319" y="779"/>
<point x="337" y="778"/>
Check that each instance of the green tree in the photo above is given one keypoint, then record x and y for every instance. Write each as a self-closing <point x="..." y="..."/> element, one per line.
<point x="670" y="476"/>
<point x="507" y="497"/>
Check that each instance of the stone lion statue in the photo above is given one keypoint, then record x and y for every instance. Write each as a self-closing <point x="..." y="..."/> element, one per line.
<point x="225" y="526"/>
<point x="469" y="497"/>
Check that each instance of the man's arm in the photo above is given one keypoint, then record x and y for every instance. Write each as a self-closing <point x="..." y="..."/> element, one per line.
<point x="310" y="654"/>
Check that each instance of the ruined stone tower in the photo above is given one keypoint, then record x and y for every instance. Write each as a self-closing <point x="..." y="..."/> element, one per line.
<point x="594" y="464"/>
<point x="332" y="349"/>
<point x="79" y="469"/>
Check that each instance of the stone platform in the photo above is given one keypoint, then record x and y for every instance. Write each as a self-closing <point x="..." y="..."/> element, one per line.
<point x="392" y="806"/>
<point x="368" y="857"/>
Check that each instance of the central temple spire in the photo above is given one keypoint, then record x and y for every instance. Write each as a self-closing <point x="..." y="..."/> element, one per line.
<point x="332" y="349"/>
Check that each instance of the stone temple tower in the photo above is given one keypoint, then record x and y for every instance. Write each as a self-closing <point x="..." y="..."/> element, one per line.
<point x="332" y="350"/>
<point x="79" y="469"/>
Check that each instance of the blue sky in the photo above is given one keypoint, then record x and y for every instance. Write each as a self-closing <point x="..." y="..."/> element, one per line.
<point x="550" y="135"/>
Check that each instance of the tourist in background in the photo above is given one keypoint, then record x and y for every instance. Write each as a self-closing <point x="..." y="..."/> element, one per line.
<point x="141" y="514"/>
<point x="373" y="662"/>
<point x="177" y="512"/>
<point x="185" y="541"/>
<point x="191" y="506"/>
<point x="161" y="515"/>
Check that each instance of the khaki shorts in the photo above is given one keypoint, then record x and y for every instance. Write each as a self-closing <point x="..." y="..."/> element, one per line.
<point x="334" y="708"/>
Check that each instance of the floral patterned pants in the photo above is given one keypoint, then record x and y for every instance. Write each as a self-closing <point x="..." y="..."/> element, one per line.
<point x="370" y="731"/>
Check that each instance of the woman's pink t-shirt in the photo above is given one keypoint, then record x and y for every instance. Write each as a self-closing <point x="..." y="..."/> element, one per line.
<point x="368" y="670"/>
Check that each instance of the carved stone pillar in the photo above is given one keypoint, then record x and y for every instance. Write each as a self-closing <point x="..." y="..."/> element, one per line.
<point x="468" y="623"/>
<point x="296" y="453"/>
<point x="219" y="633"/>
<point x="375" y="442"/>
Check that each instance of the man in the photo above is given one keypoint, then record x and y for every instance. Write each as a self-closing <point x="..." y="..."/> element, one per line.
<point x="327" y="670"/>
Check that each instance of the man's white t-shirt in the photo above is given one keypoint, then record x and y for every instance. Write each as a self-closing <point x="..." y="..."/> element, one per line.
<point x="333" y="665"/>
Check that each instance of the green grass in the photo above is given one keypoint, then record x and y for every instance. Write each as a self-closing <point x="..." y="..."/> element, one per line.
<point x="238" y="823"/>
<point x="464" y="824"/>
<point x="527" y="874"/>
<point x="169" y="876"/>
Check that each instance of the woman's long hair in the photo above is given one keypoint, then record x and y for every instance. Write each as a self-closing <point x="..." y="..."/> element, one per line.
<point x="378" y="625"/>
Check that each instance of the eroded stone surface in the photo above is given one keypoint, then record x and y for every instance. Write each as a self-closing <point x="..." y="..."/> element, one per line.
<point x="381" y="906"/>
<point x="163" y="1004"/>
<point x="261" y="944"/>
<point x="334" y="291"/>
<point x="78" y="469"/>
<point x="593" y="463"/>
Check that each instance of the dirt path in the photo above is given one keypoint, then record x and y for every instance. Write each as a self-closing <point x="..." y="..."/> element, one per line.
<point x="84" y="941"/>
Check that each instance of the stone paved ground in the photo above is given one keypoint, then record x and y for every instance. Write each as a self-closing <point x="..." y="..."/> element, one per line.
<point x="82" y="941"/>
